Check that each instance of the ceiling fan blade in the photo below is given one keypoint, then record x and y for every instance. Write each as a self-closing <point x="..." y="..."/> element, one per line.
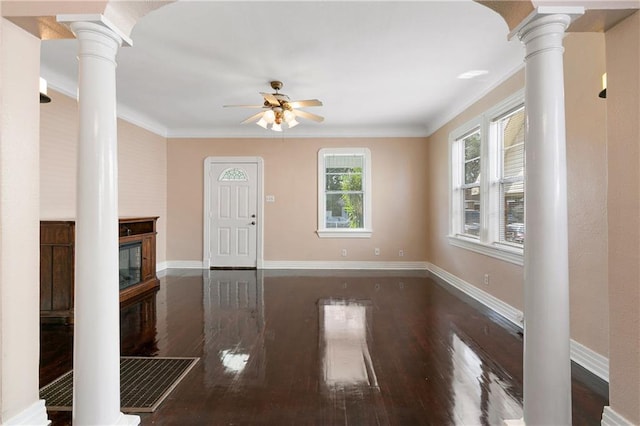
<point x="308" y="115"/>
<point x="305" y="103"/>
<point x="254" y="117"/>
<point x="242" y="106"/>
<point x="270" y="98"/>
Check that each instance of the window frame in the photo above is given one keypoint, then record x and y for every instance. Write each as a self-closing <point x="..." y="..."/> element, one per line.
<point x="500" y="179"/>
<point x="488" y="242"/>
<point x="367" y="230"/>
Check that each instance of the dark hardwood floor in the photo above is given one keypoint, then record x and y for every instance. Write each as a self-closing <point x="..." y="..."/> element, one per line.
<point x="325" y="348"/>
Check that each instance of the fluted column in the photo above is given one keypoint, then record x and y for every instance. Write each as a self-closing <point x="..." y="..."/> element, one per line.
<point x="547" y="362"/>
<point x="96" y="355"/>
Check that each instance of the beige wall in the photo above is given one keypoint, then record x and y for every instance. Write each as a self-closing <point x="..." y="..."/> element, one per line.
<point x="586" y="180"/>
<point x="142" y="168"/>
<point x="623" y="114"/>
<point x="399" y="198"/>
<point x="586" y="124"/>
<point x="505" y="278"/>
<point x="19" y="226"/>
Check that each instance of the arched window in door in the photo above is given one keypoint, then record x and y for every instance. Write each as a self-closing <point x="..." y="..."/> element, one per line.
<point x="233" y="174"/>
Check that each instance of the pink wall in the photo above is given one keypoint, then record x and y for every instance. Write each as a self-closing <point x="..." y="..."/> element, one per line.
<point x="399" y="198"/>
<point x="142" y="167"/>
<point x="19" y="226"/>
<point x="623" y="114"/>
<point x="587" y="169"/>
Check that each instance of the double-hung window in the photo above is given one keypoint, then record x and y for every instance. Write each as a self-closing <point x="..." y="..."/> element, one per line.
<point x="509" y="131"/>
<point x="487" y="182"/>
<point x="344" y="192"/>
<point x="470" y="187"/>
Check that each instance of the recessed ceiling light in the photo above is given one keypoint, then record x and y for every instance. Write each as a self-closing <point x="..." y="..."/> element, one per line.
<point x="472" y="74"/>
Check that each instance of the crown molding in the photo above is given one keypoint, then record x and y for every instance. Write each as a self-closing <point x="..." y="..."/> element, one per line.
<point x="456" y="109"/>
<point x="305" y="130"/>
<point x="69" y="88"/>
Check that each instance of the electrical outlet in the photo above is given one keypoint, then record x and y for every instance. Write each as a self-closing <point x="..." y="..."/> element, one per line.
<point x="376" y="251"/>
<point x="400" y="253"/>
<point x="486" y="279"/>
<point x="344" y="253"/>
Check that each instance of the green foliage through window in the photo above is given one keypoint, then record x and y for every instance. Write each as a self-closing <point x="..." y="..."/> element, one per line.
<point x="353" y="201"/>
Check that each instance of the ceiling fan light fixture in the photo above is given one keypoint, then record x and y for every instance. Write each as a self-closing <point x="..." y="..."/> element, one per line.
<point x="262" y="123"/>
<point x="288" y="116"/>
<point x="290" y="119"/>
<point x="276" y="127"/>
<point x="269" y="116"/>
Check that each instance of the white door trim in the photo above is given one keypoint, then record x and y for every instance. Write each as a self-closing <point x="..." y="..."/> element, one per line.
<point x="209" y="162"/>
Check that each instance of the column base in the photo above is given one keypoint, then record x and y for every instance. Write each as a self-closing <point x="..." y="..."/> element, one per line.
<point x="35" y="415"/>
<point x="128" y="420"/>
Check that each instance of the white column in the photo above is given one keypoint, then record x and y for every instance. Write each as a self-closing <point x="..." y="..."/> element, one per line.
<point x="96" y="355"/>
<point x="547" y="362"/>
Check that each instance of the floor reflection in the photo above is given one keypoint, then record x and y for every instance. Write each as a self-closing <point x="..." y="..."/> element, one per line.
<point x="346" y="360"/>
<point x="233" y="306"/>
<point x="138" y="319"/>
<point x="480" y="396"/>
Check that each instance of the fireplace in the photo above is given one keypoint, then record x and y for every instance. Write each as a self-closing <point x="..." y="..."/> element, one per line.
<point x="137" y="263"/>
<point x="130" y="264"/>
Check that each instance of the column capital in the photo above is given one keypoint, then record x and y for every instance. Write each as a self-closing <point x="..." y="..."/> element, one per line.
<point x="98" y="21"/>
<point x="545" y="28"/>
<point x="544" y="15"/>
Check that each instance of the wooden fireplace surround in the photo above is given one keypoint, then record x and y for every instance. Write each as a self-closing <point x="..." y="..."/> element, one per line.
<point x="57" y="248"/>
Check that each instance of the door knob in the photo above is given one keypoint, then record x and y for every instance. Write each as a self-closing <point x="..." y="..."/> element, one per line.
<point x="253" y="222"/>
<point x="253" y="215"/>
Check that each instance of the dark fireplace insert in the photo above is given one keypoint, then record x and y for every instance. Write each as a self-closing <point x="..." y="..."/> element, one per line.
<point x="130" y="264"/>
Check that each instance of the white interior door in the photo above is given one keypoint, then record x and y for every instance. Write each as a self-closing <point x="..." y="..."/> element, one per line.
<point x="233" y="214"/>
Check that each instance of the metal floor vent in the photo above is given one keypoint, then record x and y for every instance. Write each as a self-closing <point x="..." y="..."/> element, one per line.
<point x="144" y="383"/>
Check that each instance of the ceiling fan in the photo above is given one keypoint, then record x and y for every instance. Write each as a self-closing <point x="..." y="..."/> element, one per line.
<point x="278" y="109"/>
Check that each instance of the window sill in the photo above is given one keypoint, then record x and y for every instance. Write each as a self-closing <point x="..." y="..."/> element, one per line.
<point x="509" y="254"/>
<point x="344" y="233"/>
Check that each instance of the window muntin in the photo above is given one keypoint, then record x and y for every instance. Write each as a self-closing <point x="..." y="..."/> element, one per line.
<point x="487" y="189"/>
<point x="344" y="193"/>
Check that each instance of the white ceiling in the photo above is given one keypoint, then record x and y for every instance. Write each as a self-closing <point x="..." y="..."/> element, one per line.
<point x="380" y="68"/>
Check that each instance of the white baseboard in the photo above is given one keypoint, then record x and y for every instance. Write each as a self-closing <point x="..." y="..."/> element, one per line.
<point x="587" y="358"/>
<point x="161" y="266"/>
<point x="611" y="418"/>
<point x="303" y="264"/>
<point x="592" y="361"/>
<point x="184" y="264"/>
<point x="128" y="420"/>
<point x="34" y="415"/>
<point x="507" y="311"/>
<point x="294" y="264"/>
